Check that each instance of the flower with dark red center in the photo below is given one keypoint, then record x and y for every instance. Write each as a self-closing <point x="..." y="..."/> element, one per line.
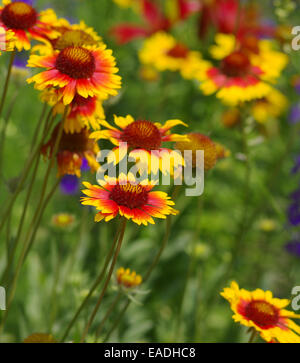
<point x="236" y="64"/>
<point x="245" y="70"/>
<point x="76" y="62"/>
<point x="259" y="310"/>
<point x="72" y="150"/>
<point x="142" y="137"/>
<point x="86" y="71"/>
<point x="178" y="51"/>
<point x="25" y="22"/>
<point x="128" y="198"/>
<point x="19" y="15"/>
<point x="262" y="313"/>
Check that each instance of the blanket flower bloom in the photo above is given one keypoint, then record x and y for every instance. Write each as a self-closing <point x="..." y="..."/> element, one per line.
<point x="244" y="73"/>
<point x="67" y="35"/>
<point x="128" y="278"/>
<point x="260" y="310"/>
<point x="25" y="22"/>
<point x="128" y="198"/>
<point x="72" y="151"/>
<point x="142" y="137"/>
<point x="88" y="71"/>
<point x="195" y="142"/>
<point x="163" y="52"/>
<point x="83" y="112"/>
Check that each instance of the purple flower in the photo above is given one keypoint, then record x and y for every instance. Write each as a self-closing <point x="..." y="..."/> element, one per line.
<point x="85" y="165"/>
<point x="294" y="116"/>
<point x="69" y="185"/>
<point x="296" y="196"/>
<point x="296" y="167"/>
<point x="20" y="62"/>
<point x="293" y="247"/>
<point x="294" y="213"/>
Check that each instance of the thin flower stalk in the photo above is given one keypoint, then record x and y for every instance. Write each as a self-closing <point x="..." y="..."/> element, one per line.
<point x="108" y="278"/>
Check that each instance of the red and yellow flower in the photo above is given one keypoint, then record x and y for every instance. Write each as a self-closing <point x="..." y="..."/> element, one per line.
<point x="25" y="22"/>
<point x="261" y="311"/>
<point x="244" y="72"/>
<point x="163" y="52"/>
<point x="128" y="278"/>
<point x="83" y="112"/>
<point x="85" y="70"/>
<point x="143" y="138"/>
<point x="67" y="35"/>
<point x="126" y="197"/>
<point x="73" y="148"/>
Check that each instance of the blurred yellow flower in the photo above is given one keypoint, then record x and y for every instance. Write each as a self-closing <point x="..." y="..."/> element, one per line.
<point x="127" y="278"/>
<point x="63" y="220"/>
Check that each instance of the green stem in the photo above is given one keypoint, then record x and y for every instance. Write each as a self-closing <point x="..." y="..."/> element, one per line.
<point x="152" y="266"/>
<point x="94" y="287"/>
<point x="112" y="266"/>
<point x="117" y="321"/>
<point x="253" y="336"/>
<point x="21" y="224"/>
<point x="161" y="250"/>
<point x="192" y="262"/>
<point x="5" y="89"/>
<point x="109" y="311"/>
<point x="57" y="273"/>
<point x="23" y="256"/>
<point x="4" y="129"/>
<point x="242" y="228"/>
<point x="23" y="178"/>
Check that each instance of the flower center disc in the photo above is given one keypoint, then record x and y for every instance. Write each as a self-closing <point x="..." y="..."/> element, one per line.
<point x="19" y="15"/>
<point x="76" y="62"/>
<point x="76" y="142"/>
<point x="142" y="134"/>
<point x="262" y="314"/>
<point x="75" y="38"/>
<point x="236" y="64"/>
<point x="130" y="196"/>
<point x="178" y="51"/>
